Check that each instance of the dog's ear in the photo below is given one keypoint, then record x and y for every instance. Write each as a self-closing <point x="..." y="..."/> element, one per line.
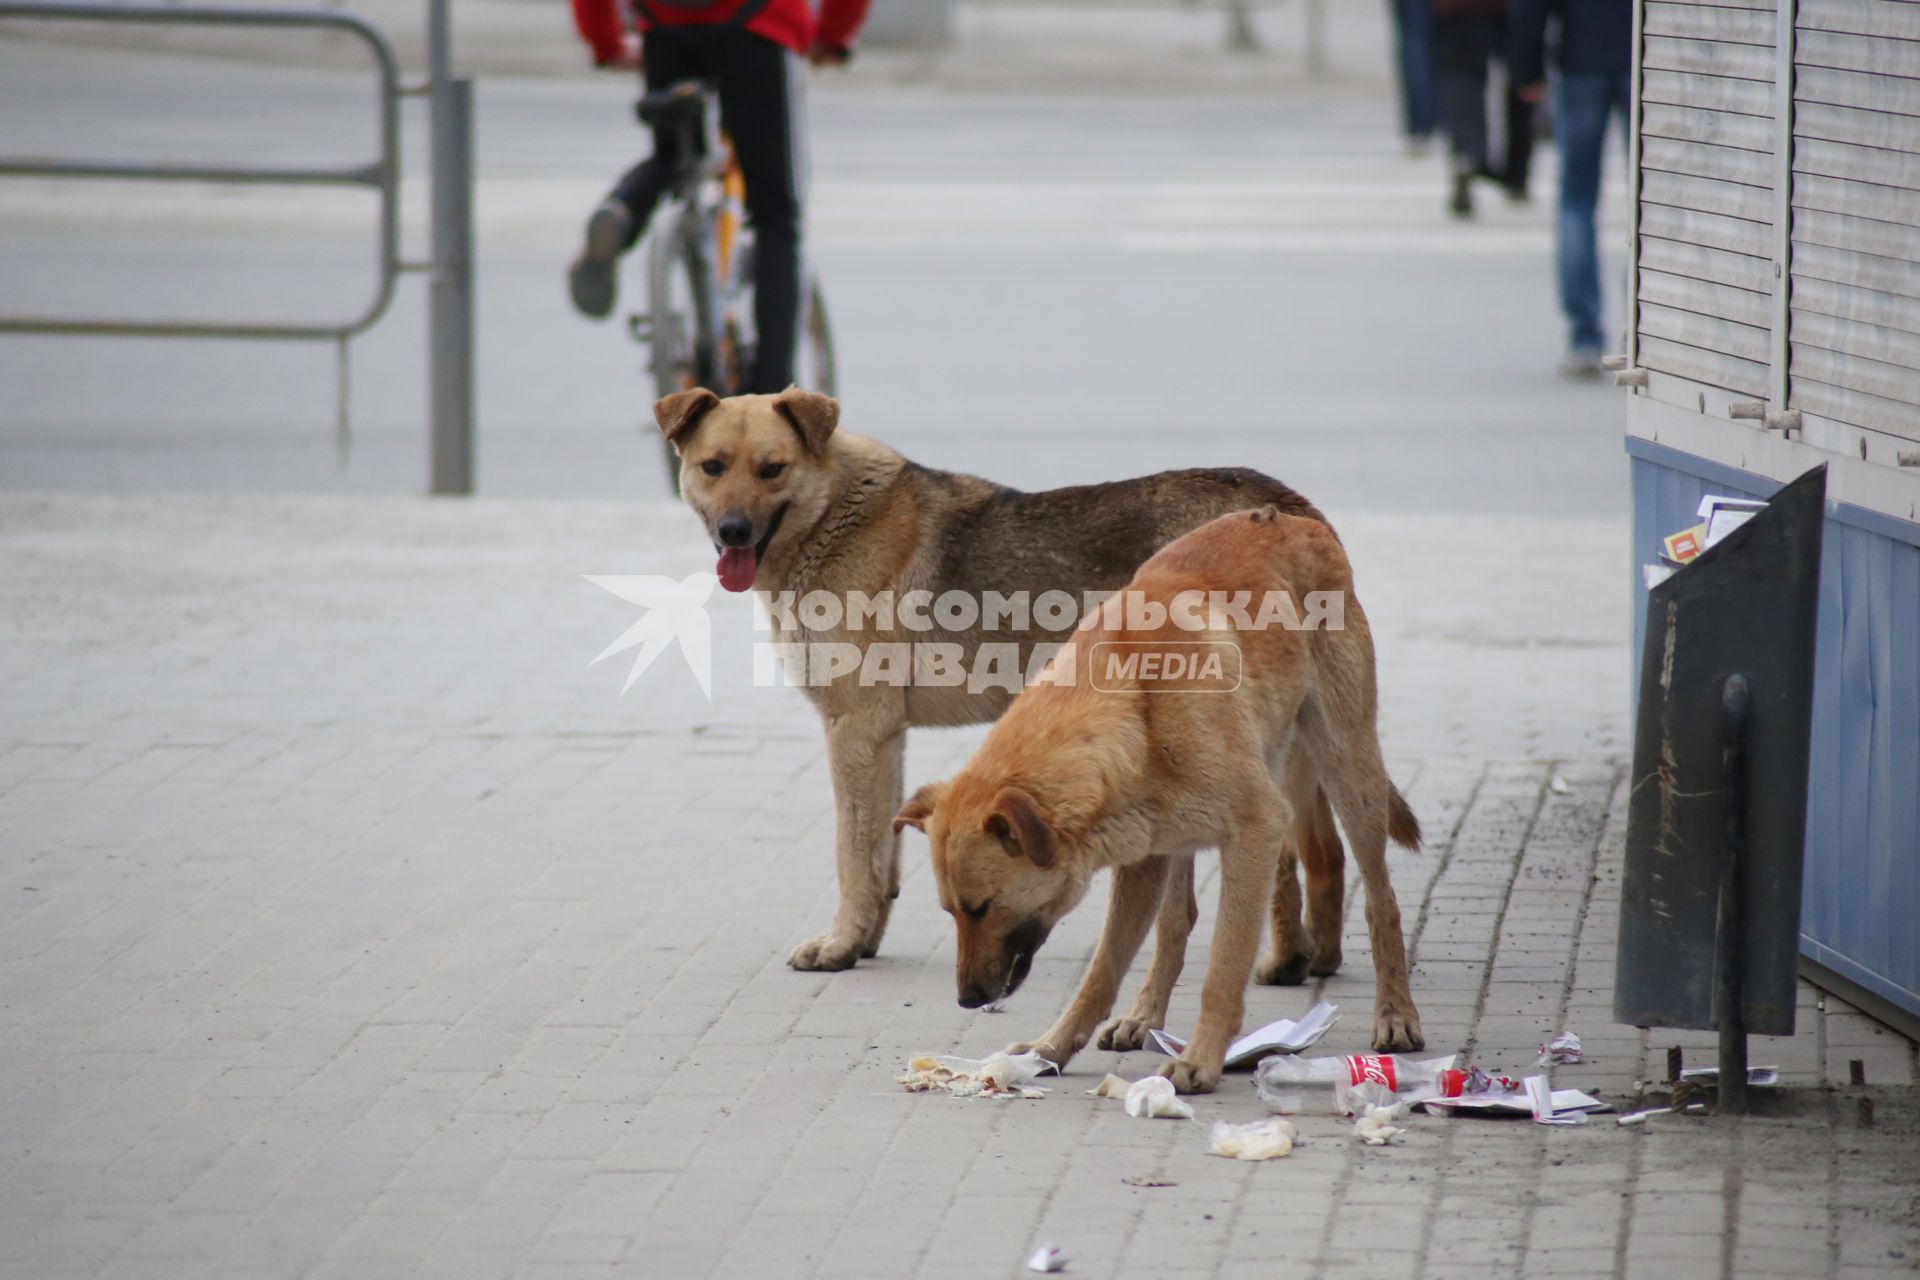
<point x="1017" y="823"/>
<point x="681" y="412"/>
<point x="918" y="809"/>
<point x="813" y="415"/>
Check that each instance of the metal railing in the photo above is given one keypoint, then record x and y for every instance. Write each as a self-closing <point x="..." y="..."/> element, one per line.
<point x="450" y="265"/>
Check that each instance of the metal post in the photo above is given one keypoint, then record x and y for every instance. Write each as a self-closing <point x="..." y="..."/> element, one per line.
<point x="450" y="271"/>
<point x="1633" y="194"/>
<point x="1730" y="951"/>
<point x="1781" y="352"/>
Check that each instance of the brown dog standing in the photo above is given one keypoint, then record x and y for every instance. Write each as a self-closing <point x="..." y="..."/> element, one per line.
<point x="1099" y="766"/>
<point x="793" y="504"/>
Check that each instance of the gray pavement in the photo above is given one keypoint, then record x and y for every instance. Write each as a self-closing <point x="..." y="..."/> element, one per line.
<point x="354" y="926"/>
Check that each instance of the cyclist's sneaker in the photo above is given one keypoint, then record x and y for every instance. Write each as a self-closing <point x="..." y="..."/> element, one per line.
<point x="591" y="277"/>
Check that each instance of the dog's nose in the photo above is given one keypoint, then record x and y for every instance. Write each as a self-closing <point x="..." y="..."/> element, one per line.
<point x="734" y="531"/>
<point x="973" y="997"/>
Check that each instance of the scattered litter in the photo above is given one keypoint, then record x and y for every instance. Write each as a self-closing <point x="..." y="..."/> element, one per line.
<point x="1154" y="1097"/>
<point x="1640" y="1117"/>
<point x="1285" y="1104"/>
<point x="1047" y="1259"/>
<point x="1722" y="515"/>
<point x="1711" y="1075"/>
<point x="1148" y="1180"/>
<point x="1374" y="1127"/>
<point x="1545" y="1102"/>
<point x="1505" y="1096"/>
<point x="1558" y="786"/>
<point x="1563" y="1050"/>
<point x="1401" y="1079"/>
<point x="1284" y="1036"/>
<point x="1001" y="1075"/>
<point x="1112" y="1087"/>
<point x="1259" y="1140"/>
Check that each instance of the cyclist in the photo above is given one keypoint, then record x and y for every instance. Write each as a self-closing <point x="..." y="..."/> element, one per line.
<point x="750" y="50"/>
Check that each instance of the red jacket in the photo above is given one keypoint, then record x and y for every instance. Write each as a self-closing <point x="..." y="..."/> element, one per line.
<point x="602" y="23"/>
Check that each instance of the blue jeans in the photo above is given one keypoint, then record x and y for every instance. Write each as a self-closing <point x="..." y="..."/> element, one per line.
<point x="1413" y="32"/>
<point x="1583" y="101"/>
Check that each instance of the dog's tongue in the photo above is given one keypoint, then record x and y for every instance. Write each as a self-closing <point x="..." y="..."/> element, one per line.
<point x="737" y="567"/>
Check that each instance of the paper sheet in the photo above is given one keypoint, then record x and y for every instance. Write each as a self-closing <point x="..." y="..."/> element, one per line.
<point x="1283" y="1036"/>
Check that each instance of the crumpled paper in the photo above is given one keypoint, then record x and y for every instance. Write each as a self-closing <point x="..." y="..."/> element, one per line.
<point x="1000" y="1075"/>
<point x="1375" y="1128"/>
<point x="1112" y="1086"/>
<point x="1258" y="1140"/>
<point x="1560" y="1051"/>
<point x="1047" y="1259"/>
<point x="1154" y="1097"/>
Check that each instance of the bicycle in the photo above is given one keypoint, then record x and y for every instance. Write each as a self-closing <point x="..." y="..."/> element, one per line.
<point x="698" y="326"/>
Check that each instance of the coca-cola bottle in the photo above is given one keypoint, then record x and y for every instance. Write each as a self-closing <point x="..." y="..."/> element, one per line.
<point x="1358" y="1080"/>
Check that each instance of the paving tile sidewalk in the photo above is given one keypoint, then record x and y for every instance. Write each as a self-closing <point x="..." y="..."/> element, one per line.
<point x="351" y="925"/>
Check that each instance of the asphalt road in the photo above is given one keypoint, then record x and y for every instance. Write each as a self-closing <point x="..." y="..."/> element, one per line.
<point x="1043" y="289"/>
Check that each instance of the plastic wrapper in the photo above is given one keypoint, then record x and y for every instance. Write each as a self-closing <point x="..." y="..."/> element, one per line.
<point x="1154" y="1098"/>
<point x="1375" y="1125"/>
<point x="1047" y="1259"/>
<point x="1259" y="1140"/>
<point x="1563" y="1050"/>
<point x="1000" y="1075"/>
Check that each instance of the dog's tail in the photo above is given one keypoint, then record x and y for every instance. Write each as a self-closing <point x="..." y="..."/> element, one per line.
<point x="1402" y="826"/>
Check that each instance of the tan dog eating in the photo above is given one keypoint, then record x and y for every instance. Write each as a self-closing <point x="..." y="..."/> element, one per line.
<point x="1134" y="766"/>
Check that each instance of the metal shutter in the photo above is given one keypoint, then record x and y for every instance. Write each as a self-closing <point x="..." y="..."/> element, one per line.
<point x="1705" y="237"/>
<point x="1854" y="306"/>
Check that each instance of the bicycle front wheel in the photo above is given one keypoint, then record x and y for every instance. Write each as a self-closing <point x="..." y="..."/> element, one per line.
<point x="681" y="327"/>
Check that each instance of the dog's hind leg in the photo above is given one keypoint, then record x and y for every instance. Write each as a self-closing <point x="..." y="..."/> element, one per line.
<point x="1325" y="862"/>
<point x="866" y="747"/>
<point x="1288" y="953"/>
<point x="1178" y="911"/>
<point x="1359" y="789"/>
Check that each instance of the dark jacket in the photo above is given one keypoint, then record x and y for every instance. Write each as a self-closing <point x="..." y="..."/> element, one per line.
<point x="1595" y="36"/>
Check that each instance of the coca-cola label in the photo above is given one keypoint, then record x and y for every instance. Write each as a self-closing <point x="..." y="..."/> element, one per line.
<point x="1376" y="1068"/>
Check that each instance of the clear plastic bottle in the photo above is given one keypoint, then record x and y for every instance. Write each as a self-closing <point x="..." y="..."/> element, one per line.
<point x="1358" y="1080"/>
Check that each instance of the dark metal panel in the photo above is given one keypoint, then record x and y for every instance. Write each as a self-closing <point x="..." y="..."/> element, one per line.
<point x="1746" y="607"/>
<point x="1838" y="897"/>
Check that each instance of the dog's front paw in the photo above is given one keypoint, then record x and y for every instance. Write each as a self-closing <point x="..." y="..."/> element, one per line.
<point x="1288" y="971"/>
<point x="1045" y="1048"/>
<point x="1397" y="1030"/>
<point x="827" y="952"/>
<point x="1123" y="1035"/>
<point x="1191" y="1077"/>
